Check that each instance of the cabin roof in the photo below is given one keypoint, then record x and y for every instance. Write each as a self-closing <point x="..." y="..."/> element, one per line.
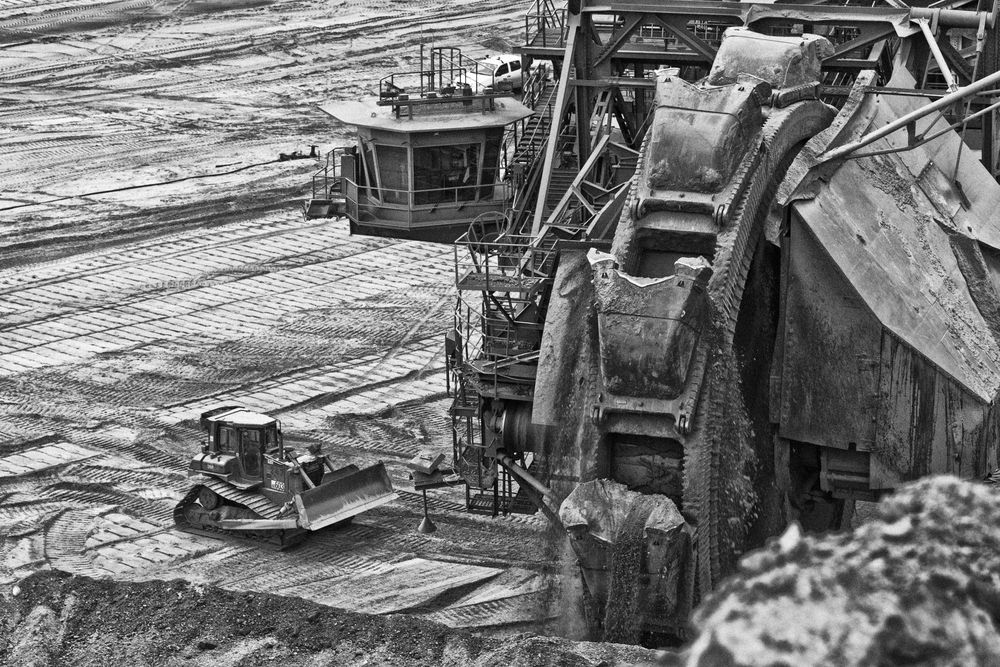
<point x="365" y="113"/>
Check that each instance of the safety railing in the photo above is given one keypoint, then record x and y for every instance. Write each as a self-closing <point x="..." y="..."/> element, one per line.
<point x="326" y="181"/>
<point x="536" y="84"/>
<point x="545" y="25"/>
<point x="448" y="74"/>
<point x="524" y="143"/>
<point x="494" y="194"/>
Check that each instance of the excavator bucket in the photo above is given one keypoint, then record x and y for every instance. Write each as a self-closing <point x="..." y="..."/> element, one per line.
<point x="345" y="496"/>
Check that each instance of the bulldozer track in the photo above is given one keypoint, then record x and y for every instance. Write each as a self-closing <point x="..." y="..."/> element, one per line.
<point x="38" y="4"/>
<point x="274" y="539"/>
<point x="12" y="514"/>
<point x="198" y="275"/>
<point x="48" y="18"/>
<point x="150" y="257"/>
<point x="88" y="266"/>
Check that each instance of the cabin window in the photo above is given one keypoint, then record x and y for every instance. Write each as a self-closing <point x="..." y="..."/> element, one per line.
<point x="491" y="157"/>
<point x="445" y="173"/>
<point x="251" y="451"/>
<point x="368" y="175"/>
<point x="227" y="439"/>
<point x="516" y="65"/>
<point x="393" y="167"/>
<point x="272" y="444"/>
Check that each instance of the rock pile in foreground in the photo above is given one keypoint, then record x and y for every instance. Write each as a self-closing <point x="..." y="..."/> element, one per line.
<point x="917" y="585"/>
<point x="58" y="619"/>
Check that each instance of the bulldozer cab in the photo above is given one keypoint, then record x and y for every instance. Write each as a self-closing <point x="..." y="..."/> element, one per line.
<point x="244" y="434"/>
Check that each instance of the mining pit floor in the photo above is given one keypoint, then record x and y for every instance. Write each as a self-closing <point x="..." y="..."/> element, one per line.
<point x="125" y="314"/>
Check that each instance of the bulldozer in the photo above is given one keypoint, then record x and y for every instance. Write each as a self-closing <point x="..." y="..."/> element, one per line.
<point x="250" y="486"/>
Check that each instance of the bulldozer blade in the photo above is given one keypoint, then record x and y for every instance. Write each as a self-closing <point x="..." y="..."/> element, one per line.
<point x="344" y="497"/>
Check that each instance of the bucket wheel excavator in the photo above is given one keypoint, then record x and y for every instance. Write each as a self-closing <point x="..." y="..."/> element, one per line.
<point x="747" y="273"/>
<point x="644" y="328"/>
<point x="723" y="312"/>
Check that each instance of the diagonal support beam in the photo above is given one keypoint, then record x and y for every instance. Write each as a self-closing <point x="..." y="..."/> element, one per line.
<point x="562" y="97"/>
<point x="956" y="59"/>
<point x="936" y="52"/>
<point x="625" y="122"/>
<point x="620" y="37"/>
<point x="574" y="188"/>
<point x="678" y="28"/>
<point x="869" y="35"/>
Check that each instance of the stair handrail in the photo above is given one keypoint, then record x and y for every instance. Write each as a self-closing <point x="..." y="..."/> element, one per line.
<point x="532" y="87"/>
<point x="548" y="21"/>
<point x="331" y="163"/>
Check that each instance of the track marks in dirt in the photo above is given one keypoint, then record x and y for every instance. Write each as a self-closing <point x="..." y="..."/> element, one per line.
<point x="190" y="297"/>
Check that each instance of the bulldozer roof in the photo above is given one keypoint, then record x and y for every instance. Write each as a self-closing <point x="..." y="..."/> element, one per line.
<point x="243" y="416"/>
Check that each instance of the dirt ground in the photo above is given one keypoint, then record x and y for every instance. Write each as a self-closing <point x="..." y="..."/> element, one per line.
<point x="125" y="314"/>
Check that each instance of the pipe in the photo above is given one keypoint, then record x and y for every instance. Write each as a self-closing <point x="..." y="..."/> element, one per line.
<point x="920" y="141"/>
<point x="903" y="121"/>
<point x="953" y="18"/>
<point x="533" y="487"/>
<point x="525" y="476"/>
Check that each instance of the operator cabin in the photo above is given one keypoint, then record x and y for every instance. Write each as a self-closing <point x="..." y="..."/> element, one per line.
<point x="425" y="166"/>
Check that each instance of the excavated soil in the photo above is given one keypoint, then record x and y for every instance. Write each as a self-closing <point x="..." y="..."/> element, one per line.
<point x="54" y="618"/>
<point x="917" y="584"/>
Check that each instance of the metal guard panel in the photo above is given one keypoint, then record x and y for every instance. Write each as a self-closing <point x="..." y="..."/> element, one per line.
<point x="783" y="62"/>
<point x="980" y="221"/>
<point x="648" y="332"/>
<point x="892" y="224"/>
<point x="700" y="134"/>
<point x="878" y="229"/>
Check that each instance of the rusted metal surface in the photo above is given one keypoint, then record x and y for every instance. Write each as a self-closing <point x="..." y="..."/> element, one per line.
<point x="650" y="326"/>
<point x="889" y="353"/>
<point x="885" y="227"/>
<point x="635" y="555"/>
<point x="783" y="62"/>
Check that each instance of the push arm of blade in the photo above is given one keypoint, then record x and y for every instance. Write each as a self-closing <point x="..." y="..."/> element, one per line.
<point x="309" y="482"/>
